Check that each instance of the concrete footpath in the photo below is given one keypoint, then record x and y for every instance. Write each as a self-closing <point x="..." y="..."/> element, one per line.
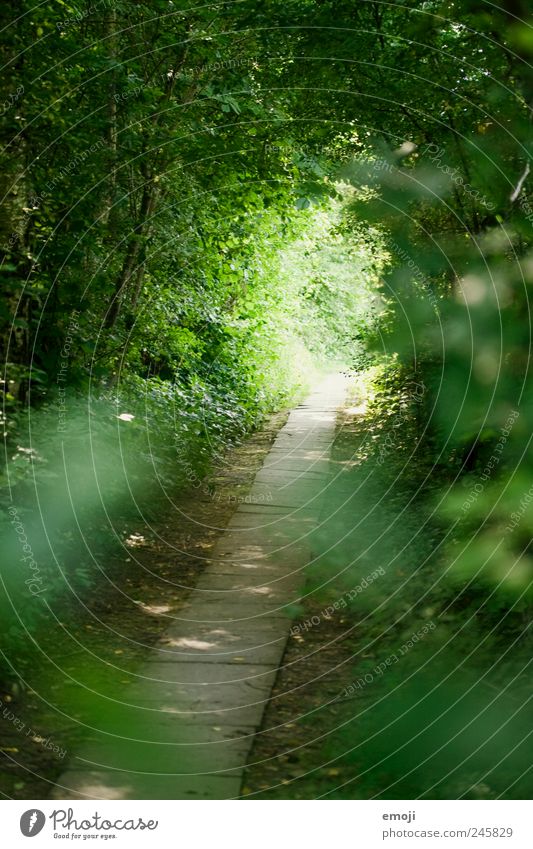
<point x="184" y="727"/>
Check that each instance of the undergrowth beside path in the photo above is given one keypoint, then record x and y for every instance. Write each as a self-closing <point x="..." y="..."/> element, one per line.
<point x="145" y="583"/>
<point x="392" y="685"/>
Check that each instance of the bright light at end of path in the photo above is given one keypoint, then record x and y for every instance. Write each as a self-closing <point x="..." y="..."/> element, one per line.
<point x="126" y="417"/>
<point x="360" y="410"/>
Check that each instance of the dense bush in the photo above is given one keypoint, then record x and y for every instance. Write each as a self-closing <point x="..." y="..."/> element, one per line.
<point x="204" y="204"/>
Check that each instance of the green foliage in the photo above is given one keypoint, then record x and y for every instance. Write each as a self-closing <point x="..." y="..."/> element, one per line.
<point x="204" y="204"/>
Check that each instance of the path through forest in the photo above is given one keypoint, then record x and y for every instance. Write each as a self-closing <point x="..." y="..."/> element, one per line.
<point x="190" y="717"/>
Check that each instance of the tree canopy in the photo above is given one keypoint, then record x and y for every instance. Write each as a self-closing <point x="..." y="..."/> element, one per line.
<point x="204" y="204"/>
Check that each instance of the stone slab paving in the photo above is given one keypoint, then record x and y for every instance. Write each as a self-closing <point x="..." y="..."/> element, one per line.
<point x="182" y="728"/>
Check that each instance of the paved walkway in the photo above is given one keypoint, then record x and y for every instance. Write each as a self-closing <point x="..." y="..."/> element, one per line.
<point x="187" y="726"/>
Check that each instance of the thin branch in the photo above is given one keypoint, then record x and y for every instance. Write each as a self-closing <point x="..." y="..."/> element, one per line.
<point x="518" y="187"/>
